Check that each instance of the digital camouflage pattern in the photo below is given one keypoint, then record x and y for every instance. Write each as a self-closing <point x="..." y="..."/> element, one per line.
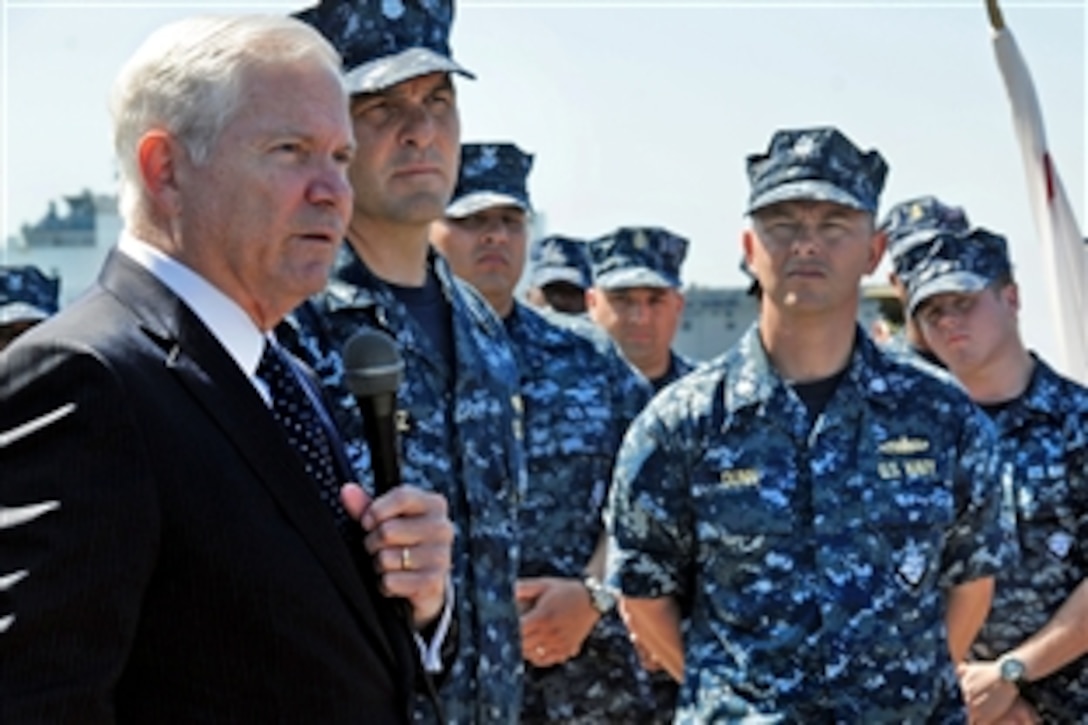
<point x="26" y="294"/>
<point x="386" y="42"/>
<point x="958" y="263"/>
<point x="637" y="257"/>
<point x="467" y="447"/>
<point x="815" y="164"/>
<point x="491" y="174"/>
<point x="813" y="559"/>
<point x="559" y="259"/>
<point x="912" y="224"/>
<point x="1043" y="452"/>
<point x="577" y="404"/>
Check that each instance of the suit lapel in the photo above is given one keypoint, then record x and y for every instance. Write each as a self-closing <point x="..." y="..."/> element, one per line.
<point x="211" y="376"/>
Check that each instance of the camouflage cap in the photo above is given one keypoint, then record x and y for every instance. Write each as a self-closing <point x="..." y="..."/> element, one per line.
<point x="958" y="263"/>
<point x="912" y="224"/>
<point x="815" y="164"/>
<point x="559" y="259"/>
<point x="26" y="295"/>
<point x="386" y="42"/>
<point x="637" y="257"/>
<point x="492" y="174"/>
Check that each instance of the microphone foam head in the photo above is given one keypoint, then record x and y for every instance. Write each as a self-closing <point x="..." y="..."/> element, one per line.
<point x="372" y="364"/>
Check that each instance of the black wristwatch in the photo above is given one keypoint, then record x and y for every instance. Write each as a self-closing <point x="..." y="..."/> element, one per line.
<point x="602" y="599"/>
<point x="1012" y="670"/>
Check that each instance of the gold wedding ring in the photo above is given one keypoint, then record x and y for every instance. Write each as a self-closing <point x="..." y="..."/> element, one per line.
<point x="405" y="558"/>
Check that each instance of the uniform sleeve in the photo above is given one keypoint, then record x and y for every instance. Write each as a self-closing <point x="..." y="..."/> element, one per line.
<point x="982" y="539"/>
<point x="78" y="535"/>
<point x="648" y="519"/>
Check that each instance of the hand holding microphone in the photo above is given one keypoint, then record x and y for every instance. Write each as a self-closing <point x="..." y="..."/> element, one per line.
<point x="409" y="534"/>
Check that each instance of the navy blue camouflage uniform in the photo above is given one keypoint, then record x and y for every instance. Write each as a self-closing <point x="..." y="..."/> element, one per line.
<point x="577" y="404"/>
<point x="1043" y="449"/>
<point x="814" y="558"/>
<point x="460" y="427"/>
<point x="1043" y="454"/>
<point x="464" y="444"/>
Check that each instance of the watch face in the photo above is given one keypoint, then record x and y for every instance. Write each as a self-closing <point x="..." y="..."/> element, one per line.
<point x="602" y="599"/>
<point x="1012" y="670"/>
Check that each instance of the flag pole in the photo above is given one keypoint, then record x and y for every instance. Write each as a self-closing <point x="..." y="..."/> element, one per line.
<point x="1062" y="245"/>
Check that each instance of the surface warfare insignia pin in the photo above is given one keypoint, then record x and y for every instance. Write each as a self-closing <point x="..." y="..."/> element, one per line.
<point x="913" y="566"/>
<point x="904" y="446"/>
<point x="1059" y="543"/>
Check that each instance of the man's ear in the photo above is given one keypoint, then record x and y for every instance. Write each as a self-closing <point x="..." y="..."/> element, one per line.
<point x="877" y="246"/>
<point x="591" y="298"/>
<point x="1011" y="293"/>
<point x="157" y="155"/>
<point x="747" y="243"/>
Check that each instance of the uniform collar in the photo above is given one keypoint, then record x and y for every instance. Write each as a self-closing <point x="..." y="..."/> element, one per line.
<point x="751" y="380"/>
<point x="1042" y="399"/>
<point x="353" y="285"/>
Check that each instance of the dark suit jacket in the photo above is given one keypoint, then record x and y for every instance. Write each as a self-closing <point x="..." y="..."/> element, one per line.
<point x="190" y="572"/>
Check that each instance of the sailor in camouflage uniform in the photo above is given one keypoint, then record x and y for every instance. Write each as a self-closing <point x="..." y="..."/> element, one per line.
<point x="559" y="275"/>
<point x="910" y="227"/>
<point x="577" y="403"/>
<point x="636" y="298"/>
<point x="457" y="404"/>
<point x="818" y="518"/>
<point x="27" y="296"/>
<point x="1035" y="640"/>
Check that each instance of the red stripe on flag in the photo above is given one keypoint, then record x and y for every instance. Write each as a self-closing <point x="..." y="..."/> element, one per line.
<point x="1048" y="172"/>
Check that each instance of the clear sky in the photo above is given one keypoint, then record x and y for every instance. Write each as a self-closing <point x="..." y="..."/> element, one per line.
<point x="639" y="112"/>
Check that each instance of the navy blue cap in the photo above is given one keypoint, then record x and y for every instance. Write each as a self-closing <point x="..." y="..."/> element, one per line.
<point x="492" y="174"/>
<point x="386" y="42"/>
<point x="26" y="294"/>
<point x="560" y="259"/>
<point x="637" y="257"/>
<point x="912" y="224"/>
<point x="815" y="164"/>
<point x="958" y="263"/>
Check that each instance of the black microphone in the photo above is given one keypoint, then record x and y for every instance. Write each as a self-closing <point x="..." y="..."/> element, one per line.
<point x="373" y="369"/>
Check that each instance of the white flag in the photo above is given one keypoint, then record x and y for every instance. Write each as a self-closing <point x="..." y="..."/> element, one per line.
<point x="1064" y="249"/>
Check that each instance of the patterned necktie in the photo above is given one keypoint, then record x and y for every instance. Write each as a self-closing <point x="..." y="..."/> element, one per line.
<point x="296" y="412"/>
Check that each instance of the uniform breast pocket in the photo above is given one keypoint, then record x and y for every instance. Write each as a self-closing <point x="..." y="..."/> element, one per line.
<point x="739" y="524"/>
<point x="905" y="531"/>
<point x="1048" y="532"/>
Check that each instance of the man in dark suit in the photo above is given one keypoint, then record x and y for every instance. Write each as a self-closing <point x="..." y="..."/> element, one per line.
<point x="165" y="552"/>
